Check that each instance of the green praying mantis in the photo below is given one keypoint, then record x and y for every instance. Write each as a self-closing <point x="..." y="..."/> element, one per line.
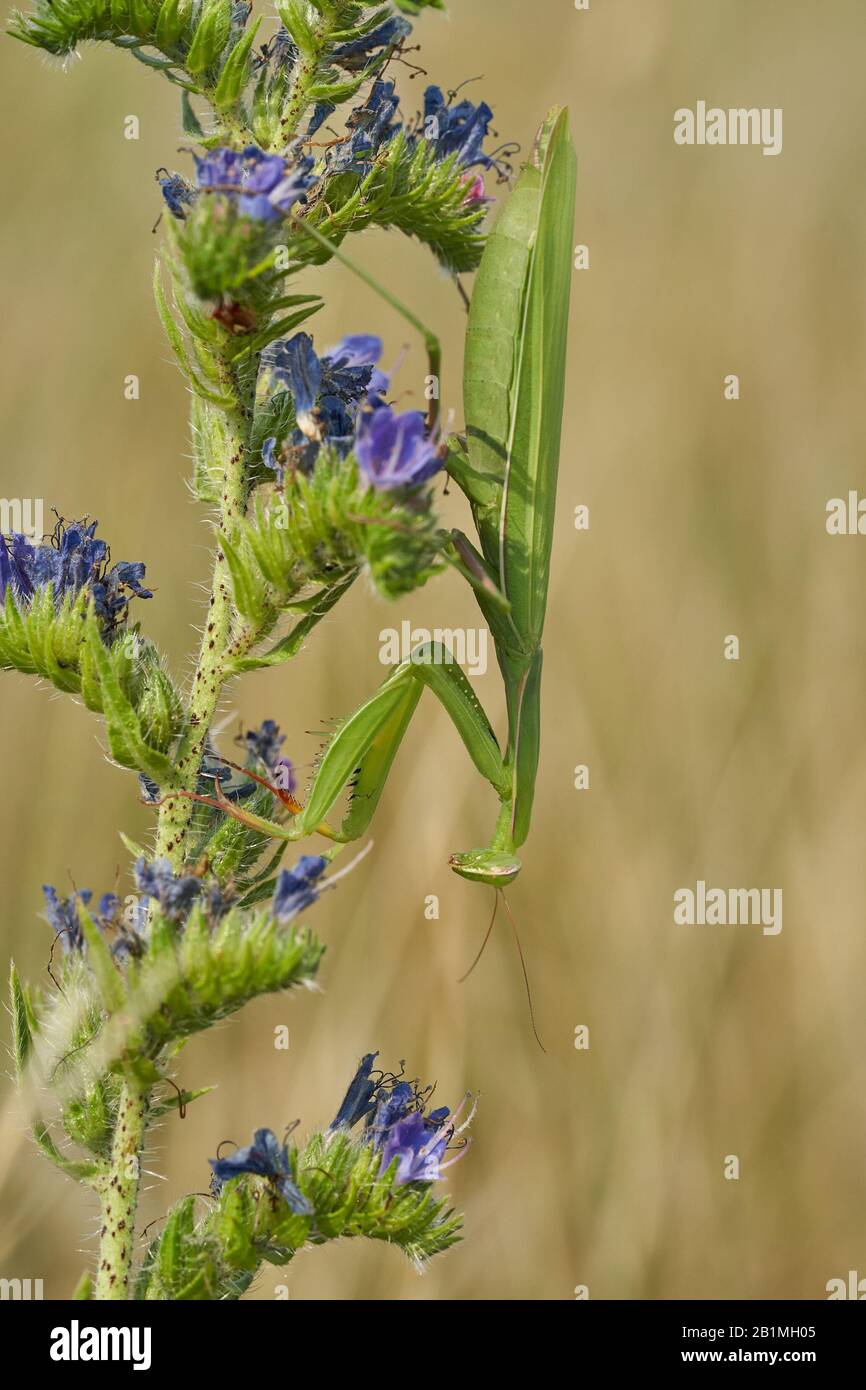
<point x="506" y="464"/>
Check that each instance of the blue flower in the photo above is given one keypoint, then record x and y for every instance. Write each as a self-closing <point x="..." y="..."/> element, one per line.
<point x="178" y="194"/>
<point x="265" y="742"/>
<point x="281" y="52"/>
<point x="16" y="566"/>
<point x="110" y="595"/>
<point x="265" y="1158"/>
<point x="403" y="1130"/>
<point x="265" y="186"/>
<point x="355" y="54"/>
<point x="74" y="560"/>
<point x="296" y="888"/>
<point x="457" y="130"/>
<point x="453" y="132"/>
<point x="62" y="915"/>
<point x="295" y="366"/>
<point x="398" y="1124"/>
<point x="395" y="450"/>
<point x="126" y="936"/>
<point x="321" y="111"/>
<point x="328" y="392"/>
<point x="361" y="350"/>
<point x="371" y="126"/>
<point x="175" y="895"/>
<point x="240" y="13"/>
<point x="150" y="791"/>
<point x="217" y="901"/>
<point x="360" y="1099"/>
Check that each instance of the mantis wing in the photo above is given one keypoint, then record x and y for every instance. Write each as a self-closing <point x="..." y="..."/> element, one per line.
<point x="514" y="388"/>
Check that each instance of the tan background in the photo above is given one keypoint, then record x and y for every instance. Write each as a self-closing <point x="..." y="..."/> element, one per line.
<point x="606" y="1167"/>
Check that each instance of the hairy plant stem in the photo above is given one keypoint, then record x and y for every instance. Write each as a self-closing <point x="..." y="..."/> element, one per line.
<point x="119" y="1197"/>
<point x="119" y="1192"/>
<point x="210" y="673"/>
<point x="305" y="75"/>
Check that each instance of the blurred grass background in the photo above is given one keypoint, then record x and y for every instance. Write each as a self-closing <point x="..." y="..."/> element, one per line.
<point x="604" y="1167"/>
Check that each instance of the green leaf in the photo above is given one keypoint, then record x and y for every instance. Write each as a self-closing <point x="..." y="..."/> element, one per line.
<point x="134" y="849"/>
<point x="99" y="958"/>
<point x="179" y="1101"/>
<point x="247" y="586"/>
<point x="178" y="347"/>
<point x="291" y="644"/>
<point x="82" y="1171"/>
<point x="171" y="23"/>
<point x="186" y="982"/>
<point x="125" y="739"/>
<point x="414" y="7"/>
<point x="23" y="1022"/>
<point x="191" y="124"/>
<point x="210" y="37"/>
<point x="236" y="70"/>
<point x="89" y="1118"/>
<point x="184" y="1265"/>
<point x="293" y="15"/>
<point x="409" y="188"/>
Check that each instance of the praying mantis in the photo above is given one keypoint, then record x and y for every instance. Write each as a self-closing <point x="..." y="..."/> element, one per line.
<point x="506" y="464"/>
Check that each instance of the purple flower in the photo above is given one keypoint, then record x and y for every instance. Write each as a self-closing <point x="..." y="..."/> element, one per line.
<point x="296" y="888"/>
<point x="265" y="186"/>
<point x="398" y="1124"/>
<point x="265" y="1158"/>
<point x="413" y="1138"/>
<point x="418" y="1148"/>
<point x="395" y="450"/>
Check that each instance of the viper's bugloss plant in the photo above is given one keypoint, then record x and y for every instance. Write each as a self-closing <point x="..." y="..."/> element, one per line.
<point x="316" y="480"/>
